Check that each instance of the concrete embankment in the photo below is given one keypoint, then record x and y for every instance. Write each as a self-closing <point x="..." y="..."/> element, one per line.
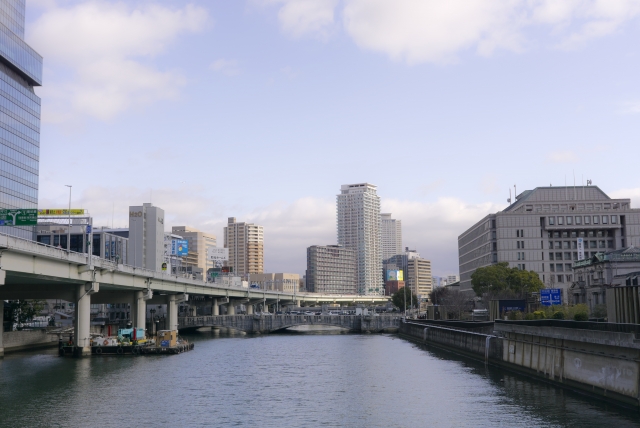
<point x="27" y="339"/>
<point x="597" y="359"/>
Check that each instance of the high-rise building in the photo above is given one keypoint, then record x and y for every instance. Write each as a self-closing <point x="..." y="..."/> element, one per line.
<point x="418" y="276"/>
<point x="541" y="232"/>
<point x="359" y="229"/>
<point x="20" y="71"/>
<point x="146" y="237"/>
<point x="199" y="243"/>
<point x="331" y="269"/>
<point x="452" y="279"/>
<point x="391" y="234"/>
<point x="245" y="242"/>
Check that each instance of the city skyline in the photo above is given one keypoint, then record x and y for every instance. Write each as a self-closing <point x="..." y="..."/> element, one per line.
<point x="284" y="85"/>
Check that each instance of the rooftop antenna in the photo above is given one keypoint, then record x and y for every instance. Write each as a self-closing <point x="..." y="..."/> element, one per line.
<point x="566" y="191"/>
<point x="574" y="185"/>
<point x="113" y="213"/>
<point x="583" y="187"/>
<point x="509" y="200"/>
<point x="515" y="193"/>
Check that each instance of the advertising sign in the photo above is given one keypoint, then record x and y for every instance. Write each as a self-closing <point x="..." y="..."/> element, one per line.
<point x="63" y="211"/>
<point x="179" y="247"/>
<point x="395" y="275"/>
<point x="580" y="249"/>
<point x="218" y="254"/>
<point x="550" y="296"/>
<point x="19" y="217"/>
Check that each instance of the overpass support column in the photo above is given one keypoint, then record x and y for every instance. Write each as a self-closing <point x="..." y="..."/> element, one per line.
<point x="231" y="307"/>
<point x="83" y="322"/>
<point x="172" y="312"/>
<point x="249" y="309"/>
<point x="215" y="309"/>
<point x="1" y="327"/>
<point x="140" y="319"/>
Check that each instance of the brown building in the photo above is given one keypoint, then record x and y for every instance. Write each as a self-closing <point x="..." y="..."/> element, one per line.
<point x="393" y="286"/>
<point x="245" y="242"/>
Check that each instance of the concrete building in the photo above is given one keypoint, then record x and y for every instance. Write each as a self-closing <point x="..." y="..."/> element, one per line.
<point x="418" y="276"/>
<point x="540" y="232"/>
<point x="331" y="269"/>
<point x="359" y="228"/>
<point x="199" y="244"/>
<point x="20" y="71"/>
<point x="595" y="274"/>
<point x="391" y="235"/>
<point x="146" y="237"/>
<point x="452" y="279"/>
<point x="285" y="282"/>
<point x="245" y="242"/>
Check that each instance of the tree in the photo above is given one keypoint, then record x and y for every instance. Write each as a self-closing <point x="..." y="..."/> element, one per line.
<point x="21" y="311"/>
<point x="456" y="303"/>
<point x="500" y="281"/>
<point x="398" y="298"/>
<point x="438" y="295"/>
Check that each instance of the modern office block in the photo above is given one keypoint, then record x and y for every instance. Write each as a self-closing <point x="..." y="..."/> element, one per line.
<point x="359" y="229"/>
<point x="199" y="243"/>
<point x="146" y="237"/>
<point x="20" y="71"/>
<point x="331" y="269"/>
<point x="542" y="229"/>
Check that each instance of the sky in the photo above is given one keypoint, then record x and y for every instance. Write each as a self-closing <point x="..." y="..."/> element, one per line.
<point x="261" y="109"/>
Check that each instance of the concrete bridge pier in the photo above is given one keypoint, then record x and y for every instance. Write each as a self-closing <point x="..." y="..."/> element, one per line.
<point x="249" y="309"/>
<point x="1" y="327"/>
<point x="172" y="312"/>
<point x="231" y="307"/>
<point x="139" y="310"/>
<point x="215" y="309"/>
<point x="82" y="328"/>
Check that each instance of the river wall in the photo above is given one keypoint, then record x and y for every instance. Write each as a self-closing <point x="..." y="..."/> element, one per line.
<point x="597" y="359"/>
<point x="27" y="339"/>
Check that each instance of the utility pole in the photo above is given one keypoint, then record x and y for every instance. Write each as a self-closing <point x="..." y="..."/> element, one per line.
<point x="69" y="228"/>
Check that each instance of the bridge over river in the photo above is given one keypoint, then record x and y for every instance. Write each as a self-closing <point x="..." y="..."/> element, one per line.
<point x="261" y="323"/>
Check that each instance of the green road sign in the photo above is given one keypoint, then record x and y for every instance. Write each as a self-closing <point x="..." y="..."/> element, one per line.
<point x="19" y="217"/>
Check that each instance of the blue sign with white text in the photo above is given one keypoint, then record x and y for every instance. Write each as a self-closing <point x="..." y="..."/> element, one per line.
<point x="179" y="247"/>
<point x="551" y="296"/>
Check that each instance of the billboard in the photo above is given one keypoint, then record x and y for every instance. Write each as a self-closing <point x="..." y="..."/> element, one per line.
<point x="19" y="217"/>
<point x="217" y="254"/>
<point x="179" y="247"/>
<point x="63" y="211"/>
<point x="551" y="296"/>
<point x="395" y="275"/>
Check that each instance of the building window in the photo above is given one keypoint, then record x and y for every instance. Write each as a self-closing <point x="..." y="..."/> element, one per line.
<point x="559" y="267"/>
<point x="552" y="221"/>
<point x="578" y="220"/>
<point x="567" y="255"/>
<point x="601" y="244"/>
<point x="551" y="245"/>
<point x="552" y="267"/>
<point x="605" y="219"/>
<point x="596" y="219"/>
<point x="560" y="221"/>
<point x="550" y="256"/>
<point x="609" y="243"/>
<point x="566" y="245"/>
<point x="558" y="245"/>
<point x="569" y="221"/>
<point x="518" y="233"/>
<point x="518" y="244"/>
<point x="567" y="267"/>
<point x="560" y="278"/>
<point x="575" y="255"/>
<point x="593" y="244"/>
<point x="587" y="219"/>
<point x="614" y="219"/>
<point x="558" y="256"/>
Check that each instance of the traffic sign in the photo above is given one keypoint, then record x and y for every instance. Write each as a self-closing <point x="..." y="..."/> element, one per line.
<point x="19" y="217"/>
<point x="551" y="296"/>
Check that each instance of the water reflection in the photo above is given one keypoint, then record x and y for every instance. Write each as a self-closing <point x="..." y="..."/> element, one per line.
<point x="280" y="380"/>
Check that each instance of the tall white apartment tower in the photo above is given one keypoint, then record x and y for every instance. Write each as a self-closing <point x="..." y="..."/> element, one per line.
<point x="359" y="229"/>
<point x="146" y="237"/>
<point x="391" y="232"/>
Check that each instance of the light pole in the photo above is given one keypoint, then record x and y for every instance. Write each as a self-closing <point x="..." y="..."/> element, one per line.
<point x="69" y="229"/>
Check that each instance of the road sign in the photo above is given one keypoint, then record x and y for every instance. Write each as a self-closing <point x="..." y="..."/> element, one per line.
<point x="551" y="296"/>
<point x="88" y="228"/>
<point x="19" y="217"/>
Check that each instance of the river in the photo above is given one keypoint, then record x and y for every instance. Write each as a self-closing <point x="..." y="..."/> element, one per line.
<point x="287" y="380"/>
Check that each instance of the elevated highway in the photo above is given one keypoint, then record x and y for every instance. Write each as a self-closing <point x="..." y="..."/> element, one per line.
<point x="29" y="270"/>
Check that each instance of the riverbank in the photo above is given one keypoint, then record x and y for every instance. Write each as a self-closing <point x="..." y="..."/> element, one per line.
<point x="596" y="359"/>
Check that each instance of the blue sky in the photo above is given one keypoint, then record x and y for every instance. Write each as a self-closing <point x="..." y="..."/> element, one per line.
<point x="261" y="109"/>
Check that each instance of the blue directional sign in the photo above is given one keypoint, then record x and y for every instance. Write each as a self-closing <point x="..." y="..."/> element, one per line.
<point x="551" y="296"/>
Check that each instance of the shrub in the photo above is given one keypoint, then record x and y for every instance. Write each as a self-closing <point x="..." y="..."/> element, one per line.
<point x="529" y="317"/>
<point x="581" y="316"/>
<point x="558" y="315"/>
<point x="538" y="315"/>
<point x="599" y="311"/>
<point x="515" y="316"/>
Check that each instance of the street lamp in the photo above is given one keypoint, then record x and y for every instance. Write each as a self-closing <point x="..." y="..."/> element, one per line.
<point x="69" y="228"/>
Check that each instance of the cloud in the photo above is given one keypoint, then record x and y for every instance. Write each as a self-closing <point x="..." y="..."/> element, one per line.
<point x="632" y="107"/>
<point x="228" y="67"/>
<point x="438" y="31"/>
<point x="302" y="17"/>
<point x="102" y="56"/>
<point x="563" y="156"/>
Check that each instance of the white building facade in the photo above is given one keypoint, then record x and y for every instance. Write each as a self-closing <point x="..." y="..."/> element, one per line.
<point x="358" y="212"/>
<point x="146" y="237"/>
<point x="391" y="234"/>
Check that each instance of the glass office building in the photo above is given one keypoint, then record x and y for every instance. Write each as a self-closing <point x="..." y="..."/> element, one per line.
<point x="20" y="71"/>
